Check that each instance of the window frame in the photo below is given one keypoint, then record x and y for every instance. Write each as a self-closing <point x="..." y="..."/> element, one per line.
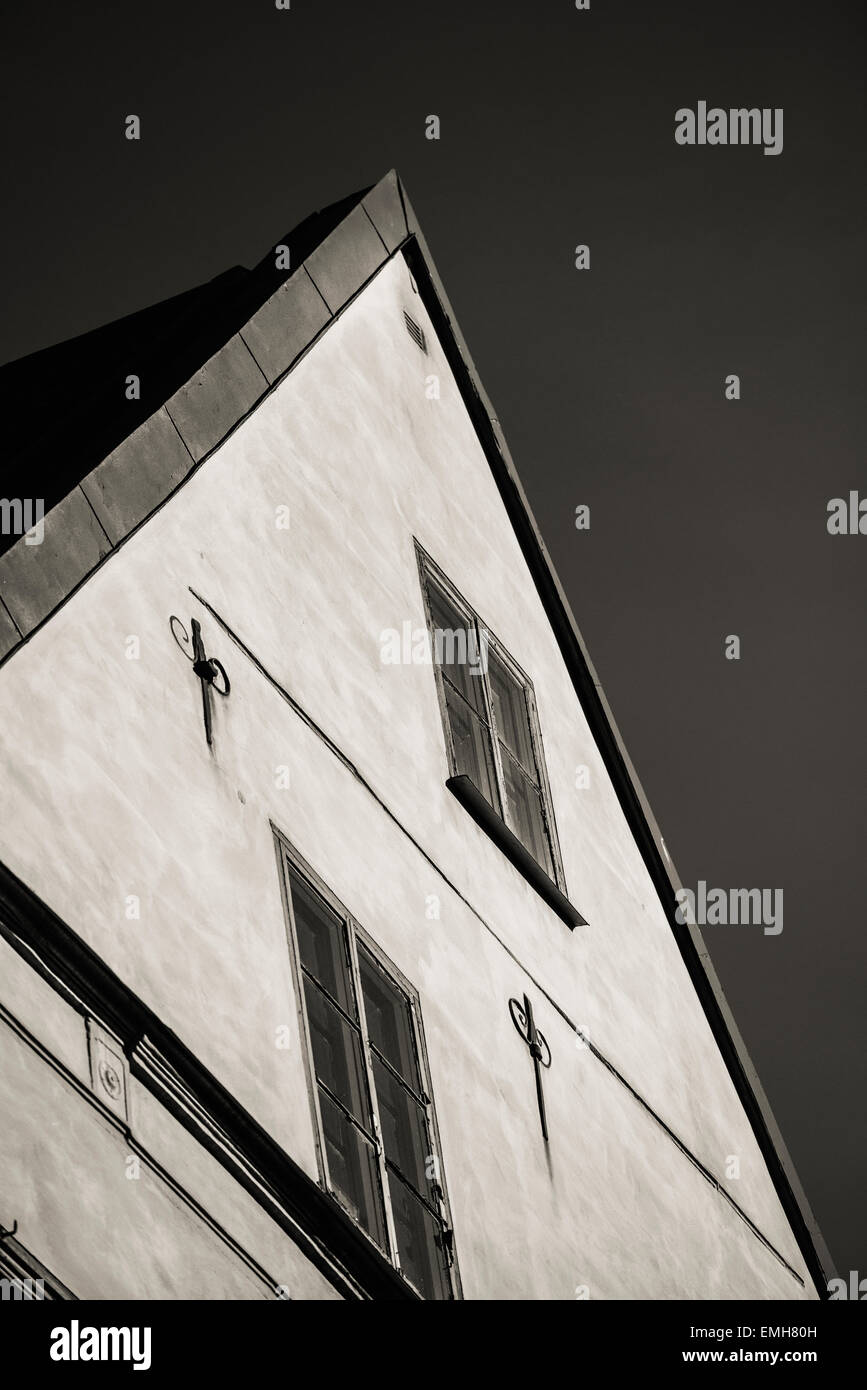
<point x="430" y="570"/>
<point x="353" y="933"/>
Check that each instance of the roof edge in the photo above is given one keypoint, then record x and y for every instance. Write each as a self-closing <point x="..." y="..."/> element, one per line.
<point x="628" y="788"/>
<point x="48" y="564"/>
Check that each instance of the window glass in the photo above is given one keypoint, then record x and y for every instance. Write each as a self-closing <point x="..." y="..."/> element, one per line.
<point x="419" y="1242"/>
<point x="337" y="1054"/>
<point x="404" y="1128"/>
<point x="353" y="1170"/>
<point x="511" y="715"/>
<point x="321" y="943"/>
<point x="454" y="650"/>
<point x="472" y="744"/>
<point x="524" y="811"/>
<point x="389" y="1023"/>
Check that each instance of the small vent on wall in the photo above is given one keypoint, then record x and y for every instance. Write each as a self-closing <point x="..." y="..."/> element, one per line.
<point x="416" y="333"/>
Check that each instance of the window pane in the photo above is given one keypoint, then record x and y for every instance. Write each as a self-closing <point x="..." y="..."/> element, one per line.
<point x="404" y="1129"/>
<point x="389" y="1024"/>
<point x="337" y="1054"/>
<point x="419" y="1242"/>
<point x="353" y="1170"/>
<point x="321" y="943"/>
<point x="456" y="649"/>
<point x="524" y="811"/>
<point x="473" y="753"/>
<point x="511" y="714"/>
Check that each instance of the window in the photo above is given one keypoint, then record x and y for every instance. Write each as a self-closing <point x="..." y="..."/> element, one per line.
<point x="376" y="1124"/>
<point x="490" y="722"/>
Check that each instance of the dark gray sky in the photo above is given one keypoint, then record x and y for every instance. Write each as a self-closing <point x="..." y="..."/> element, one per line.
<point x="708" y="517"/>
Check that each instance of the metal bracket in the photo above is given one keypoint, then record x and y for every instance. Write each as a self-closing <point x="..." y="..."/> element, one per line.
<point x="207" y="668"/>
<point x="522" y="1017"/>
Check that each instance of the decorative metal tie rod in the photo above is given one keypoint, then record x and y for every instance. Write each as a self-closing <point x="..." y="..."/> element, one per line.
<point x="207" y="668"/>
<point x="522" y="1017"/>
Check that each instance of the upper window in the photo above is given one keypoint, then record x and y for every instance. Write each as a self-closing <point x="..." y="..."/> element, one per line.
<point x="490" y="721"/>
<point x="376" y="1124"/>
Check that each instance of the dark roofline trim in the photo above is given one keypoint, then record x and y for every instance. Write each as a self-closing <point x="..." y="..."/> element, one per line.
<point x="301" y="272"/>
<point x="623" y="777"/>
<point x="164" y="344"/>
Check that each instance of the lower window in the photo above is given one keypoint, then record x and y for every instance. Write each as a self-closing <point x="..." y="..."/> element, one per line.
<point x="372" y="1104"/>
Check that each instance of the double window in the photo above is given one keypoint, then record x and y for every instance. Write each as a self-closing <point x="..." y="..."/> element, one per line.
<point x="377" y="1129"/>
<point x="490" y="721"/>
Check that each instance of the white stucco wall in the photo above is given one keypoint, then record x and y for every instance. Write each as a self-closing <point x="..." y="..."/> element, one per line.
<point x="110" y="791"/>
<point x="111" y="1217"/>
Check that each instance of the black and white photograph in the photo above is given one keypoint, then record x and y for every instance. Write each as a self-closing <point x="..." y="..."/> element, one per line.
<point x="432" y="677"/>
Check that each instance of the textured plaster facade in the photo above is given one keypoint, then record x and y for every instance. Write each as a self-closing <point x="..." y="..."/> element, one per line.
<point x="110" y="792"/>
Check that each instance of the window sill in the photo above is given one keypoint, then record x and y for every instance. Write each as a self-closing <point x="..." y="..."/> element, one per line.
<point x="468" y="794"/>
